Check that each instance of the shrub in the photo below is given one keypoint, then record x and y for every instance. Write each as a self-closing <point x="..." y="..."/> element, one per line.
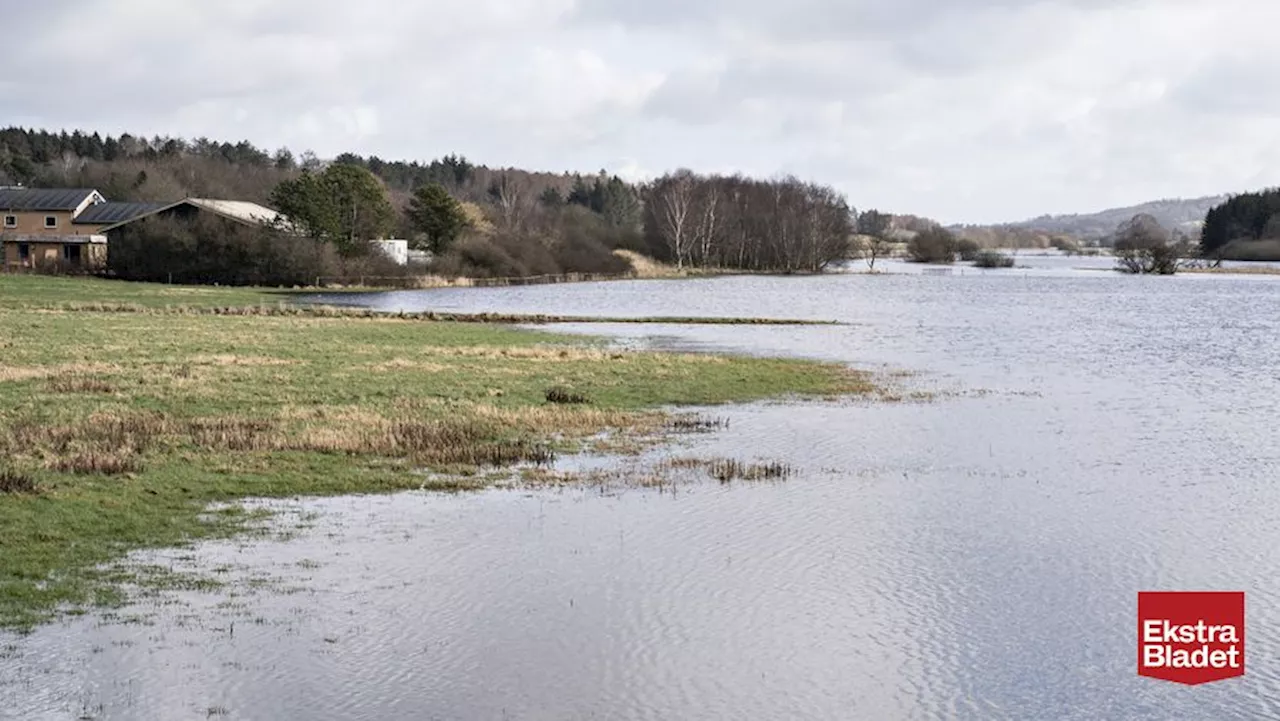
<point x="575" y="242"/>
<point x="1142" y="246"/>
<point x="992" y="259"/>
<point x="199" y="249"/>
<point x="1066" y="245"/>
<point x="968" y="249"/>
<point x="13" y="482"/>
<point x="934" y="245"/>
<point x="566" y="397"/>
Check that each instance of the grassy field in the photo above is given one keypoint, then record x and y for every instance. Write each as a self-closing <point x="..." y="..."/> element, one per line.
<point x="119" y="429"/>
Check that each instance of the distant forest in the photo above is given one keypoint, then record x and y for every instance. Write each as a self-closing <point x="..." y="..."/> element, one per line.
<point x="1245" y="227"/>
<point x="515" y="222"/>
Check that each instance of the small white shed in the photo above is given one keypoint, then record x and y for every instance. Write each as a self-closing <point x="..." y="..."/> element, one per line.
<point x="397" y="250"/>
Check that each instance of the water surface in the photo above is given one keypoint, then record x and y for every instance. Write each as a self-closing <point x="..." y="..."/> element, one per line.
<point x="977" y="556"/>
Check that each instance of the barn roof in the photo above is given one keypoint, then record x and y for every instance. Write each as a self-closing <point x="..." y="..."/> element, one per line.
<point x="44" y="198"/>
<point x="110" y="213"/>
<point x="237" y="210"/>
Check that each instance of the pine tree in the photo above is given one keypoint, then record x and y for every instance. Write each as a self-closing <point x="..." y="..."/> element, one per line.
<point x="437" y="215"/>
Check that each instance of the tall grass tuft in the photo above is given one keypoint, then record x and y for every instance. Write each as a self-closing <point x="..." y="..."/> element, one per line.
<point x="564" y="396"/>
<point x="14" y="483"/>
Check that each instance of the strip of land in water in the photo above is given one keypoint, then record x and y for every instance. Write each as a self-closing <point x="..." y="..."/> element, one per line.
<point x="34" y="292"/>
<point x="119" y="430"/>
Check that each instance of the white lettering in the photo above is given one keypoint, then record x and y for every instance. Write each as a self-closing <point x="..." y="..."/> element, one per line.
<point x="1166" y="656"/>
<point x="1153" y="656"/>
<point x="1151" y="631"/>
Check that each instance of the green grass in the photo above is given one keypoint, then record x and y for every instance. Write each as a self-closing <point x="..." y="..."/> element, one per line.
<point x="32" y="291"/>
<point x="184" y="410"/>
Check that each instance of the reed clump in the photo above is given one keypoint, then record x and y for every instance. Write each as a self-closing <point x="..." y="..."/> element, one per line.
<point x="698" y="424"/>
<point x="727" y="470"/>
<point x="98" y="462"/>
<point x="13" y="482"/>
<point x="564" y="396"/>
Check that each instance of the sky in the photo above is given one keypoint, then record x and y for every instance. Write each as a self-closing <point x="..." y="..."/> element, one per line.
<point x="961" y="110"/>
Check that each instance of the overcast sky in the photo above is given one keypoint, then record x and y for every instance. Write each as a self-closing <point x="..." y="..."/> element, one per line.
<point x="963" y="110"/>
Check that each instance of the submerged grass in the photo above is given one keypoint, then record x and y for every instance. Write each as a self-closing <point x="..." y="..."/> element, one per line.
<point x="120" y="430"/>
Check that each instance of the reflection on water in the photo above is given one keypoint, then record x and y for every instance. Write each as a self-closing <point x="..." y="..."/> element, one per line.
<point x="975" y="557"/>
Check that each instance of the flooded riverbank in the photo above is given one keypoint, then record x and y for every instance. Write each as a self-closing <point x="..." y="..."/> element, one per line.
<point x="976" y="556"/>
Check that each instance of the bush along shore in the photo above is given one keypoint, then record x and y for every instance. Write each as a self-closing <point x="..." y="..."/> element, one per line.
<point x="124" y="430"/>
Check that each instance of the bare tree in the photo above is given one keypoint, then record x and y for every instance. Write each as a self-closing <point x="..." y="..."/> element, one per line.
<point x="508" y="194"/>
<point x="874" y="227"/>
<point x="708" y="210"/>
<point x="1143" y="246"/>
<point x="672" y="199"/>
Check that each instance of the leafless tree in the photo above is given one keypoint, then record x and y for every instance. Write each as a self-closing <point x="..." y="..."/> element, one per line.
<point x="672" y="200"/>
<point x="714" y="221"/>
<point x="1143" y="246"/>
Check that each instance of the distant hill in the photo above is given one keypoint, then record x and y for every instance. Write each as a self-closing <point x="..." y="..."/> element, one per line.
<point x="1174" y="214"/>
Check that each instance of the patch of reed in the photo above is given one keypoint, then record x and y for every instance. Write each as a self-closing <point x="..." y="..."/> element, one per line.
<point x="233" y="433"/>
<point x="98" y="462"/>
<point x="698" y="424"/>
<point x="14" y="483"/>
<point x="564" y="396"/>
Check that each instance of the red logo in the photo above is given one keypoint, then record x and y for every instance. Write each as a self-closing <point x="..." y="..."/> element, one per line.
<point x="1191" y="638"/>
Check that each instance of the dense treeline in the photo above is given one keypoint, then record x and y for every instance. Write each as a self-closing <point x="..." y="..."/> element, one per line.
<point x="476" y="220"/>
<point x="1012" y="236"/>
<point x="143" y="169"/>
<point x="210" y="250"/>
<point x="1245" y="227"/>
<point x="738" y="222"/>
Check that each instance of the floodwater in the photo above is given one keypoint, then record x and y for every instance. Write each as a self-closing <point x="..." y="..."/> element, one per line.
<point x="976" y="556"/>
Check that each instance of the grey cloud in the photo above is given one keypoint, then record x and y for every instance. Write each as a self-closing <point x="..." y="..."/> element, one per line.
<point x="1232" y="86"/>
<point x="977" y="110"/>
<point x="808" y="19"/>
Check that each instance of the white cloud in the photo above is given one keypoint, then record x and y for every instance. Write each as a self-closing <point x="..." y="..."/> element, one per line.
<point x="966" y="111"/>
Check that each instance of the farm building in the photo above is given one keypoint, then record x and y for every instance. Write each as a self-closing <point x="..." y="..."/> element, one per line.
<point x="40" y="226"/>
<point x="51" y="226"/>
<point x="234" y="210"/>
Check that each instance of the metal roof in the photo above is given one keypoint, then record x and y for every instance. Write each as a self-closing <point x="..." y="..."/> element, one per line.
<point x="108" y="213"/>
<point x="237" y="210"/>
<point x="241" y="210"/>
<point x="43" y="198"/>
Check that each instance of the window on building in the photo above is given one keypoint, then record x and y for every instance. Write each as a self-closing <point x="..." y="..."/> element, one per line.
<point x="71" y="253"/>
<point x="10" y="221"/>
<point x="24" y="251"/>
<point x="50" y="221"/>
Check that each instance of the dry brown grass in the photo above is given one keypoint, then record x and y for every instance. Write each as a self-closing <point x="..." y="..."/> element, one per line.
<point x="239" y="360"/>
<point x="10" y="373"/>
<point x="233" y="433"/>
<point x="456" y="442"/>
<point x="404" y="364"/>
<point x="1258" y="270"/>
<point x="571" y="421"/>
<point x="97" y="462"/>
<point x="19" y="373"/>
<point x="115" y="443"/>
